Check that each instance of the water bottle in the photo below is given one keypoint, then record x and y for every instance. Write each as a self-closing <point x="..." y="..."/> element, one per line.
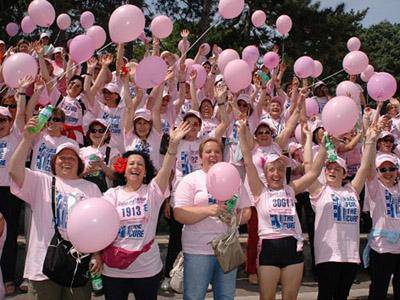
<point x="93" y="158"/>
<point x="231" y="204"/>
<point x="330" y="148"/>
<point x="97" y="283"/>
<point x="43" y="117"/>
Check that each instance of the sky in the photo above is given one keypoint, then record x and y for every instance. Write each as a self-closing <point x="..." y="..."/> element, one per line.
<point x="380" y="10"/>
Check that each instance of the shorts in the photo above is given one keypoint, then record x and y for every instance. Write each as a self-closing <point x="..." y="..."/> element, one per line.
<point x="280" y="252"/>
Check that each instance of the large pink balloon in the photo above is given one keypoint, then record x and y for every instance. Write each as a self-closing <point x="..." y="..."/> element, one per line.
<point x="284" y="24"/>
<point x="126" y="23"/>
<point x="312" y="107"/>
<point x="189" y="62"/>
<point x="367" y="73"/>
<point x="87" y="19"/>
<point x="355" y="62"/>
<point x="81" y="48"/>
<point x="250" y="54"/>
<point x="201" y="75"/>
<point x="17" y="66"/>
<point x="12" y="29"/>
<point x="27" y="25"/>
<point x="206" y="49"/>
<point x="353" y="44"/>
<point x="340" y="115"/>
<point x="183" y="45"/>
<point x="63" y="21"/>
<point x="93" y="224"/>
<point x="304" y="67"/>
<point x="223" y="181"/>
<point x="318" y="69"/>
<point x="230" y="9"/>
<point x="42" y="12"/>
<point x="346" y="88"/>
<point x="161" y="27"/>
<point x="225" y="57"/>
<point x="297" y="133"/>
<point x="237" y="75"/>
<point x="381" y="86"/>
<point x="258" y="18"/>
<point x="98" y="34"/>
<point x="150" y="72"/>
<point x="271" y="60"/>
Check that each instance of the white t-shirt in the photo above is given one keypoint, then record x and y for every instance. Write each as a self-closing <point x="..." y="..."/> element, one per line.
<point x="36" y="191"/>
<point x="138" y="212"/>
<point x="8" y="144"/>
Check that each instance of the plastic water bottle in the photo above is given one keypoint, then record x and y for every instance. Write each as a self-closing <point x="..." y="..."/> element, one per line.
<point x="43" y="117"/>
<point x="330" y="148"/>
<point x="231" y="204"/>
<point x="93" y="158"/>
<point x="97" y="283"/>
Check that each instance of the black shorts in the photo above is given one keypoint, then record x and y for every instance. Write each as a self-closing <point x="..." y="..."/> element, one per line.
<point x="280" y="252"/>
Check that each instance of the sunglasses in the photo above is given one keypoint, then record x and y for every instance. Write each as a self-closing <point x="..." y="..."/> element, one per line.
<point x="387" y="170"/>
<point x="94" y="130"/>
<point x="268" y="132"/>
<point x="55" y="119"/>
<point x="3" y="120"/>
<point x="12" y="106"/>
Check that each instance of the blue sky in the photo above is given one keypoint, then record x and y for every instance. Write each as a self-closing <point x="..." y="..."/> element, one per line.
<point x="380" y="10"/>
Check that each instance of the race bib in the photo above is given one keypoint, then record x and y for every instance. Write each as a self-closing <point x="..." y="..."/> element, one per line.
<point x="345" y="209"/>
<point x="282" y="211"/>
<point x="392" y="205"/>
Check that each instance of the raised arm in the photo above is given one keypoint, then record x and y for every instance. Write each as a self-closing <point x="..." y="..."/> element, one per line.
<point x="130" y="110"/>
<point x="23" y="84"/>
<point x="224" y="122"/>
<point x="119" y="61"/>
<point x="182" y="83"/>
<point x="193" y="95"/>
<point x="156" y="93"/>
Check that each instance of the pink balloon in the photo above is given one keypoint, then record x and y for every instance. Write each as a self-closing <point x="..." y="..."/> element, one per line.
<point x="126" y="24"/>
<point x="271" y="60"/>
<point x="381" y="86"/>
<point x="347" y="87"/>
<point x="17" y="66"/>
<point x="284" y="24"/>
<point x="161" y="26"/>
<point x="223" y="181"/>
<point x="87" y="19"/>
<point x="230" y="9"/>
<point x="318" y="69"/>
<point x="189" y="62"/>
<point x="206" y="50"/>
<point x="225" y="57"/>
<point x="183" y="45"/>
<point x="201" y="75"/>
<point x="355" y="62"/>
<point x="304" y="67"/>
<point x="297" y="133"/>
<point x="81" y="48"/>
<point x="250" y="54"/>
<point x="93" y="224"/>
<point x="258" y="18"/>
<point x="340" y="115"/>
<point x="353" y="44"/>
<point x="312" y="107"/>
<point x="42" y="12"/>
<point x="12" y="29"/>
<point x="369" y="71"/>
<point x="27" y="25"/>
<point x="150" y="72"/>
<point x="237" y="75"/>
<point x="63" y="21"/>
<point x="98" y="35"/>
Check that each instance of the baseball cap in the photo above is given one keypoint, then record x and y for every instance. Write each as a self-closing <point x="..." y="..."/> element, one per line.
<point x="381" y="158"/>
<point x="57" y="50"/>
<point x="245" y="98"/>
<point x="318" y="84"/>
<point x="45" y="34"/>
<point x="340" y="161"/>
<point x="5" y="112"/>
<point x="68" y="145"/>
<point x="278" y="99"/>
<point x="266" y="123"/>
<point x="274" y="157"/>
<point x="218" y="78"/>
<point x="111" y="87"/>
<point x="142" y="113"/>
<point x="2" y="42"/>
<point x="192" y="112"/>
<point x="384" y="134"/>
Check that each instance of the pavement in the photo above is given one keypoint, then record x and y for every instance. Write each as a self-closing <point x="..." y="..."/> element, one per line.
<point x="244" y="290"/>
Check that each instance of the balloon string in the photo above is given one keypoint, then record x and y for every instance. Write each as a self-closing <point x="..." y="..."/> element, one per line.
<point x="334" y="74"/>
<point x="205" y="32"/>
<point x="283" y="48"/>
<point x="106" y="46"/>
<point x="58" y="34"/>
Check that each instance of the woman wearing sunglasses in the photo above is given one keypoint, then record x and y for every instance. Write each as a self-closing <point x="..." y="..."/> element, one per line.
<point x="98" y="157"/>
<point x="383" y="247"/>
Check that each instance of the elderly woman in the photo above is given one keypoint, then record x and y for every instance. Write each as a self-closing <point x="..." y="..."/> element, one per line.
<point x="198" y="210"/>
<point x="138" y="200"/>
<point x="36" y="189"/>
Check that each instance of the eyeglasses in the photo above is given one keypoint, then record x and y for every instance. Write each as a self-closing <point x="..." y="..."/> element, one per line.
<point x="55" y="119"/>
<point x="387" y="170"/>
<point x="12" y="106"/>
<point x="268" y="132"/>
<point x="3" y="120"/>
<point x="94" y="130"/>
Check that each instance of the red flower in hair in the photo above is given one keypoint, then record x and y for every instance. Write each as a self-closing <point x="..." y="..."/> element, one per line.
<point x="120" y="165"/>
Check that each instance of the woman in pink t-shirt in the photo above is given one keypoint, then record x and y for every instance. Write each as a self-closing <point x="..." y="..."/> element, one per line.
<point x="384" y="240"/>
<point x="281" y="254"/>
<point x="199" y="211"/>
<point x="133" y="262"/>
<point x="337" y="217"/>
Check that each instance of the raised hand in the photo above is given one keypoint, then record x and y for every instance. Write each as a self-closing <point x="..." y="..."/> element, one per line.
<point x="106" y="59"/>
<point x="221" y="92"/>
<point x="185" y="33"/>
<point x="91" y="64"/>
<point x="179" y="133"/>
<point x="39" y="85"/>
<point x="193" y="75"/>
<point x="24" y="82"/>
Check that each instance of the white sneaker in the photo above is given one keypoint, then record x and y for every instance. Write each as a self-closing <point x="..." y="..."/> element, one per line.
<point x="209" y="288"/>
<point x="165" y="285"/>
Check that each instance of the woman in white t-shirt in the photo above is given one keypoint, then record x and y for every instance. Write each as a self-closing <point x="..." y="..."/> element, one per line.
<point x="384" y="240"/>
<point x="337" y="218"/>
<point x="36" y="189"/>
<point x="132" y="262"/>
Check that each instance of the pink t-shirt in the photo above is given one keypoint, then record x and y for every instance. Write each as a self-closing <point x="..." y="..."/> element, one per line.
<point x="192" y="191"/>
<point x="384" y="204"/>
<point x="36" y="191"/>
<point x="8" y="144"/>
<point x="337" y="218"/>
<point x="277" y="217"/>
<point x="138" y="212"/>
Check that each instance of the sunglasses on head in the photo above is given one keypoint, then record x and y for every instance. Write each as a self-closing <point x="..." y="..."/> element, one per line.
<point x="94" y="130"/>
<point x="55" y="119"/>
<point x="387" y="170"/>
<point x="12" y="106"/>
<point x="3" y="120"/>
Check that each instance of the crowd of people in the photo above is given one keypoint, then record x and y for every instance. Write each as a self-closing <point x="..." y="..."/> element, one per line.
<point x="148" y="151"/>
